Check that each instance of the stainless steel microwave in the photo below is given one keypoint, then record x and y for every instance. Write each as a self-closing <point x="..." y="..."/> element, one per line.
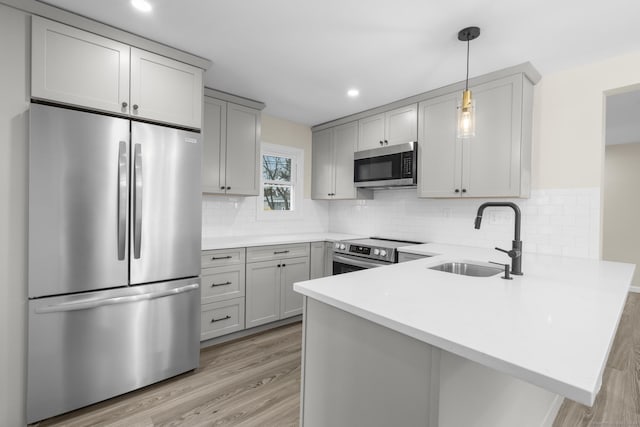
<point x="391" y="166"/>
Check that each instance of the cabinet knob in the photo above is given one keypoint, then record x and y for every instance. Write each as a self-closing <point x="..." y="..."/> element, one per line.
<point x="457" y="190"/>
<point x="381" y="143"/>
<point x="464" y="190"/>
<point x="135" y="107"/>
<point x="228" y="188"/>
<point x="124" y="105"/>
<point x="278" y="265"/>
<point x="284" y="265"/>
<point x="386" y="142"/>
<point x="222" y="187"/>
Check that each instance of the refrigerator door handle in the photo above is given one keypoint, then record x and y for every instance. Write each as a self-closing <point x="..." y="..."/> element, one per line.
<point x="86" y="305"/>
<point x="137" y="201"/>
<point x="122" y="199"/>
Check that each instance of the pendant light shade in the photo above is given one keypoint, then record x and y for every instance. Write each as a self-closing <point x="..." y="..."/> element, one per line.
<point x="466" y="106"/>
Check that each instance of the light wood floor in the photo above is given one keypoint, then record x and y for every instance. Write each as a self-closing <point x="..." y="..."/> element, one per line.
<point x="618" y="403"/>
<point x="255" y="381"/>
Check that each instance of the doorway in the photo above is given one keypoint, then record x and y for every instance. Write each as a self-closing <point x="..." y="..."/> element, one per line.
<point x="621" y="183"/>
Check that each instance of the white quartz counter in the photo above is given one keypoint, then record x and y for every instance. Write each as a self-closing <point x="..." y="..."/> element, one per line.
<point x="553" y="326"/>
<point x="266" y="240"/>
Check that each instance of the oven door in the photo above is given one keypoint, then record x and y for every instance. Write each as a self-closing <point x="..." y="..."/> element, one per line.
<point x="346" y="264"/>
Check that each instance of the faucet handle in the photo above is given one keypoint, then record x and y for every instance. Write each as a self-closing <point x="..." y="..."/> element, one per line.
<point x="512" y="253"/>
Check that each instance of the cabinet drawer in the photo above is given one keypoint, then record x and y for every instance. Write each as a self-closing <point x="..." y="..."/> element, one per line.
<point x="268" y="253"/>
<point x="221" y="257"/>
<point x="222" y="283"/>
<point x="221" y="318"/>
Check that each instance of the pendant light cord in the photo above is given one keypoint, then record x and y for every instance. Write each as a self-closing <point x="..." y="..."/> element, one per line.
<point x="466" y="86"/>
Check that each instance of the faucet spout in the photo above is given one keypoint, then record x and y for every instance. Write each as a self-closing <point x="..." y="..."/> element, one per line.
<point x="516" y="251"/>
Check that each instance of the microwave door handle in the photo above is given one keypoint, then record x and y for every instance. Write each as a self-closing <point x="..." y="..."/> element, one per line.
<point x="137" y="201"/>
<point x="122" y="199"/>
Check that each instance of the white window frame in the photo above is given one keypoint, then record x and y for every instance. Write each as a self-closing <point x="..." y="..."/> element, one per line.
<point x="297" y="181"/>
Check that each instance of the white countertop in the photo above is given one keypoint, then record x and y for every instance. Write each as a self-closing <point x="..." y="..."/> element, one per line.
<point x="553" y="326"/>
<point x="266" y="240"/>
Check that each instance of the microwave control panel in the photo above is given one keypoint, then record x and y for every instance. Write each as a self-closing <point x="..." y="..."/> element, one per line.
<point x="407" y="165"/>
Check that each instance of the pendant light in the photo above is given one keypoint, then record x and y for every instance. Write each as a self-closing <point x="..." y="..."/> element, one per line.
<point x="467" y="108"/>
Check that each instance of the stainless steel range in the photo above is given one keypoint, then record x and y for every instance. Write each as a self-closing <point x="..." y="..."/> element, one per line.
<point x="360" y="254"/>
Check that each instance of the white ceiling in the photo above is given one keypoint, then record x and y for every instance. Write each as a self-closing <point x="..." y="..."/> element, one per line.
<point x="623" y="118"/>
<point x="301" y="56"/>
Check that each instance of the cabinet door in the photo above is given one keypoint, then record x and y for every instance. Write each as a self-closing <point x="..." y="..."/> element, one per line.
<point x="165" y="90"/>
<point x="491" y="159"/>
<point x="262" y="293"/>
<point x="322" y="165"/>
<point x="371" y="132"/>
<point x="79" y="68"/>
<point x="439" y="151"/>
<point x="292" y="270"/>
<point x="214" y="136"/>
<point x="401" y="125"/>
<point x="317" y="260"/>
<point x="345" y="141"/>
<point x="243" y="150"/>
<point x="328" y="259"/>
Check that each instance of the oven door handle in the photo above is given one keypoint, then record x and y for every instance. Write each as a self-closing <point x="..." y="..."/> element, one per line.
<point x="357" y="262"/>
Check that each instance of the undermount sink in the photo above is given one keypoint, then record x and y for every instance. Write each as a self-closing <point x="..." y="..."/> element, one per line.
<point x="468" y="269"/>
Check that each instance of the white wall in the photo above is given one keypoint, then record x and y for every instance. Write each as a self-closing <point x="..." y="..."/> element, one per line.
<point x="621" y="205"/>
<point x="558" y="221"/>
<point x="224" y="216"/>
<point x="14" y="103"/>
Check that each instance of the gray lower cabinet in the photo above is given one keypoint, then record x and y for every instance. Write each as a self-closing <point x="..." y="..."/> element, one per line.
<point x="318" y="254"/>
<point x="269" y="282"/>
<point x="230" y="149"/>
<point x="328" y="258"/>
<point x="404" y="257"/>
<point x="494" y="163"/>
<point x="222" y="293"/>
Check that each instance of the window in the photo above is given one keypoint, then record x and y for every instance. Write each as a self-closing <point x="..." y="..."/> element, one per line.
<point x="281" y="181"/>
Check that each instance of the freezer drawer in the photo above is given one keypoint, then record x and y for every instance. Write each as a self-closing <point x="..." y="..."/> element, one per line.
<point x="90" y="347"/>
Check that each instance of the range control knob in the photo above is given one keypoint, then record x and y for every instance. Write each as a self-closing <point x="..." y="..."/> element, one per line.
<point x="343" y="246"/>
<point x="376" y="251"/>
<point x="336" y="245"/>
<point x="383" y="252"/>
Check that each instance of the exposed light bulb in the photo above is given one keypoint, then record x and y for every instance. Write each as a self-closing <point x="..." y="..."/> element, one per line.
<point x="141" y="5"/>
<point x="352" y="93"/>
<point x="466" y="116"/>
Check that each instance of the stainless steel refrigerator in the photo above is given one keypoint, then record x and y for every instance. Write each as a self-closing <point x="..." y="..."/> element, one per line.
<point x="114" y="257"/>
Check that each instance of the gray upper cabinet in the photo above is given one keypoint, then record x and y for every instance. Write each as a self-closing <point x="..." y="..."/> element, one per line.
<point x="494" y="163"/>
<point x="231" y="148"/>
<point x="75" y="67"/>
<point x="332" y="163"/>
<point x="392" y="127"/>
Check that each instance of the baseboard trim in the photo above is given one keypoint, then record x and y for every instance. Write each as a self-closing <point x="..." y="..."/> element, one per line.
<point x="635" y="289"/>
<point x="252" y="331"/>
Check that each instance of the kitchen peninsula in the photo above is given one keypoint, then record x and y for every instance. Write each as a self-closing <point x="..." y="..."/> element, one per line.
<point x="411" y="346"/>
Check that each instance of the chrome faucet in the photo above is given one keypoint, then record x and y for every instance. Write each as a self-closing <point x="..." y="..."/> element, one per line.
<point x="516" y="248"/>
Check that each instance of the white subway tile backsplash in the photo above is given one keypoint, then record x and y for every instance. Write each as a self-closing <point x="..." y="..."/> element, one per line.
<point x="556" y="221"/>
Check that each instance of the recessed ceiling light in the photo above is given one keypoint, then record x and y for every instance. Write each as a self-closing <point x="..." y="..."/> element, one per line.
<point x="352" y="93"/>
<point x="141" y="5"/>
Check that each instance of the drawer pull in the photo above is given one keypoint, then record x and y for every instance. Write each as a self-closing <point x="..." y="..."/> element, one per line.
<point x="220" y="319"/>
<point x="213" y="285"/>
<point x="213" y="258"/>
<point x="280" y="252"/>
